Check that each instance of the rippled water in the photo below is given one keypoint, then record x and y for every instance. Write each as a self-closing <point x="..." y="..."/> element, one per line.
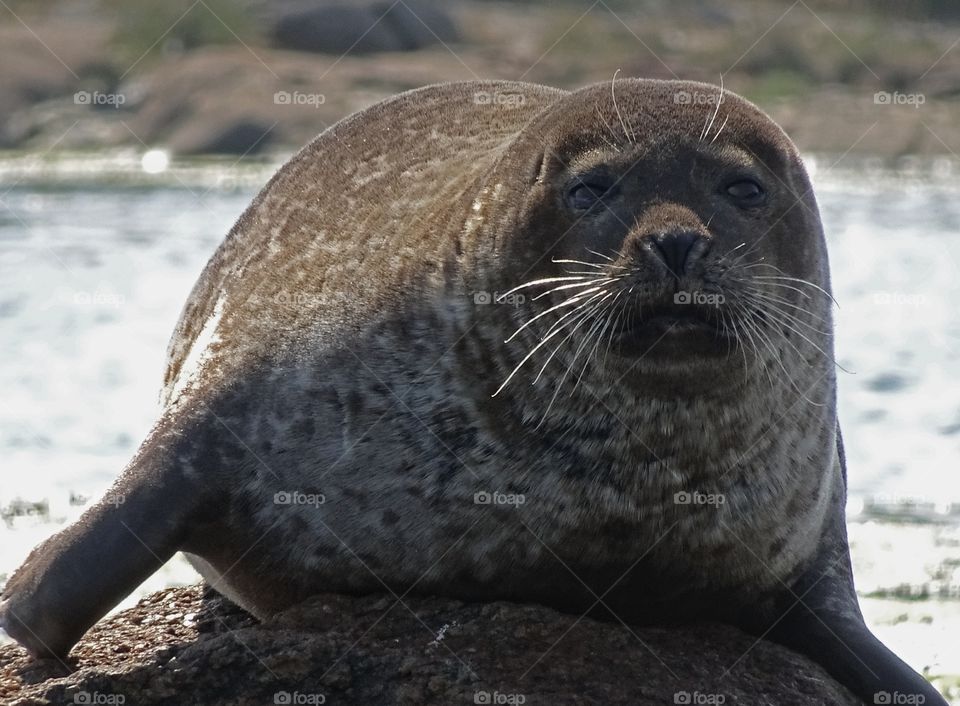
<point x="97" y="258"/>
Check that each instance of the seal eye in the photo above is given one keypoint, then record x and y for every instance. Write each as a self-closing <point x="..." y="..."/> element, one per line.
<point x="747" y="193"/>
<point x="586" y="194"/>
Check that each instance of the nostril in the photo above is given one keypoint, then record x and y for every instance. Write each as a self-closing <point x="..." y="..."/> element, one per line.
<point x="675" y="248"/>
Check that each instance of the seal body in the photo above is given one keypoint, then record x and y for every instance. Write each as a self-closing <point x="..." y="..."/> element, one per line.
<point x="494" y="340"/>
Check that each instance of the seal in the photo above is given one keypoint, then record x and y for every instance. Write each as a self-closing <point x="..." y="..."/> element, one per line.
<point x="493" y="340"/>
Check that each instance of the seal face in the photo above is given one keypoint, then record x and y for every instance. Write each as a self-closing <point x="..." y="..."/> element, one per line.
<point x="499" y="341"/>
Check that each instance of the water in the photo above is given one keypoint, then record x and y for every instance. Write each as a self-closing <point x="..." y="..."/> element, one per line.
<point x="97" y="259"/>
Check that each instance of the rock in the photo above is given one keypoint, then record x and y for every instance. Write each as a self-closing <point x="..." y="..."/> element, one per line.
<point x="240" y="136"/>
<point x="334" y="29"/>
<point x="378" y="650"/>
<point x="363" y="29"/>
<point x="224" y="99"/>
<point x="32" y="73"/>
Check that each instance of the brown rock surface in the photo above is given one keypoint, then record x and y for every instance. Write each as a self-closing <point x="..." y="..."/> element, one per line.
<point x="180" y="646"/>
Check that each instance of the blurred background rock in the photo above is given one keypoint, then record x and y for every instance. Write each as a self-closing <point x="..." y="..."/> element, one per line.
<point x="209" y="76"/>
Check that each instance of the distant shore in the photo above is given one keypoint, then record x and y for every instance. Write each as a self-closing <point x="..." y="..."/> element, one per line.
<point x="839" y="80"/>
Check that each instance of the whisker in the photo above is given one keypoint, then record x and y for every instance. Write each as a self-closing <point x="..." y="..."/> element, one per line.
<point x="572" y="362"/>
<point x="537" y="282"/>
<point x="598" y="265"/>
<point x="592" y="273"/>
<point x="792" y="383"/>
<point x="572" y="300"/>
<point x="775" y="301"/>
<point x="525" y="359"/>
<point x="799" y="281"/>
<point x="709" y="123"/>
<point x="609" y="319"/>
<point x="616" y="326"/>
<point x="613" y="97"/>
<point x="771" y="347"/>
<point x="720" y="130"/>
<point x="615" y="147"/>
<point x="579" y="318"/>
<point x="737" y="262"/>
<point x="790" y="322"/>
<point x="598" y="254"/>
<point x="594" y="283"/>
<point x="777" y="317"/>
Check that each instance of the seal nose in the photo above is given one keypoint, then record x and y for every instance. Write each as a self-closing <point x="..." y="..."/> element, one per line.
<point x="675" y="248"/>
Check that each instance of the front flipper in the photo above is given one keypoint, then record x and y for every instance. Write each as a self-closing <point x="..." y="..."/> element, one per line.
<point x="75" y="577"/>
<point x="841" y="642"/>
<point x="820" y="617"/>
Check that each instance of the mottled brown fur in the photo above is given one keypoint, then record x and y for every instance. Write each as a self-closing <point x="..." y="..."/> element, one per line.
<point x="351" y="356"/>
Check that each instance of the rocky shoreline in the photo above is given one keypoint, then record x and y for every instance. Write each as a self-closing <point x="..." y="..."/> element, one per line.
<point x="839" y="81"/>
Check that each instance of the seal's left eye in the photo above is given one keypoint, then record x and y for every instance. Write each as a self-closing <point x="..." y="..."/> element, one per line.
<point x="747" y="192"/>
<point x="584" y="194"/>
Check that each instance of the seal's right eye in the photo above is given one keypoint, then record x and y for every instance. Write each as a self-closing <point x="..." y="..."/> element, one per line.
<point x="586" y="193"/>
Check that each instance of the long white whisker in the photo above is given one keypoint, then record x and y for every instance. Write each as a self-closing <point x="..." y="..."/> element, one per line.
<point x="594" y="283"/>
<point x="720" y="130"/>
<point x="615" y="147"/>
<point x="779" y="361"/>
<point x="775" y="301"/>
<point x="752" y="328"/>
<point x="799" y="281"/>
<point x="709" y="124"/>
<point x="613" y="96"/>
<point x="600" y="335"/>
<point x="598" y="265"/>
<point x="578" y="297"/>
<point x="598" y="254"/>
<point x="616" y="325"/>
<point x="573" y="361"/>
<point x="525" y="359"/>
<point x="790" y="322"/>
<point x="545" y="280"/>
<point x="556" y="349"/>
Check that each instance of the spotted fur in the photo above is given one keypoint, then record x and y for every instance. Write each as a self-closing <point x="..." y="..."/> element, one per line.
<point x="345" y="345"/>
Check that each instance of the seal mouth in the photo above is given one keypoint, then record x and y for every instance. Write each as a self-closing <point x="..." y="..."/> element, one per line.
<point x="673" y="318"/>
<point x="674" y="328"/>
